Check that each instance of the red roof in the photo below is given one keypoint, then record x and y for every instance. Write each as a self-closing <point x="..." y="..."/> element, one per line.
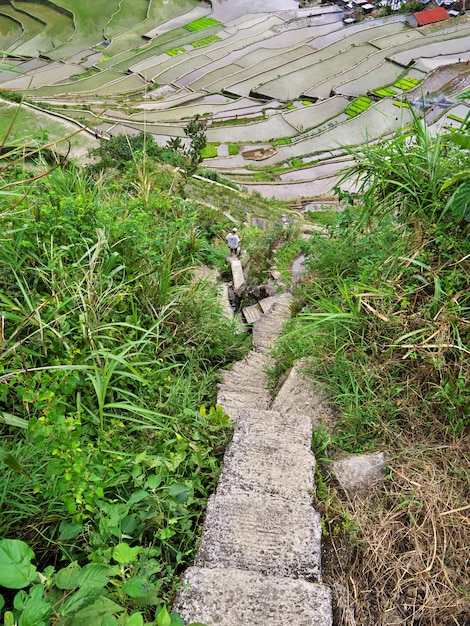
<point x="431" y="16"/>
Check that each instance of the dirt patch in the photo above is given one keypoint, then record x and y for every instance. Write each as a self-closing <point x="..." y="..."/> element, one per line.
<point x="450" y="79"/>
<point x="258" y="154"/>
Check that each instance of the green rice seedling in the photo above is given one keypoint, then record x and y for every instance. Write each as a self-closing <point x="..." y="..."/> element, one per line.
<point x="202" y="23"/>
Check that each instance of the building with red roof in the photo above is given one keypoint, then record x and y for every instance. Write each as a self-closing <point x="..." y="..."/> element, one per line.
<point x="431" y="16"/>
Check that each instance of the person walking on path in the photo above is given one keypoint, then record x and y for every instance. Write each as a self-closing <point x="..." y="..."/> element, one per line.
<point x="233" y="241"/>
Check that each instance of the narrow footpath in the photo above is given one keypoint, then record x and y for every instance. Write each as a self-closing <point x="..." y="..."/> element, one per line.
<point x="258" y="561"/>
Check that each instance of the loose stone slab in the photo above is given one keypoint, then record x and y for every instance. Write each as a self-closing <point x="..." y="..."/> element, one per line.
<point x="232" y="597"/>
<point x="360" y="472"/>
<point x="261" y="535"/>
<point x="237" y="273"/>
<point x="252" y="313"/>
<point x="263" y="424"/>
<point x="272" y="469"/>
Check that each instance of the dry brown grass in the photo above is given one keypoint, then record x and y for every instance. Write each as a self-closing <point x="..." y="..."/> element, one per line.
<point x="407" y="563"/>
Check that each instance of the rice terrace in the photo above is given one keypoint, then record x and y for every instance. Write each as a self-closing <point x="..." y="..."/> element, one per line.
<point x="290" y="85"/>
<point x="234" y="312"/>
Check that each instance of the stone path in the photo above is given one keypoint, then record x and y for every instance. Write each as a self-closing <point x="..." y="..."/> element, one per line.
<point x="259" y="557"/>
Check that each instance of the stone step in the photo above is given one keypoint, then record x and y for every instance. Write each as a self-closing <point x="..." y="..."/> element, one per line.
<point x="298" y="395"/>
<point x="261" y="535"/>
<point x="237" y="273"/>
<point x="253" y="360"/>
<point x="252" y="313"/>
<point x="253" y="378"/>
<point x="262" y="424"/>
<point x="274" y="468"/>
<point x="247" y="385"/>
<point x="232" y="597"/>
<point x="281" y="299"/>
<point x="231" y="404"/>
<point x="267" y="329"/>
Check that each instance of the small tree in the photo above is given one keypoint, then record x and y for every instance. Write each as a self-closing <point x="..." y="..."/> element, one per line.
<point x="196" y="132"/>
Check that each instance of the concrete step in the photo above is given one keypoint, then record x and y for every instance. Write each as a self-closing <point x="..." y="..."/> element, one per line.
<point x="253" y="360"/>
<point x="263" y="424"/>
<point x="298" y="395"/>
<point x="274" y="468"/>
<point x="240" y="385"/>
<point x="267" y="328"/>
<point x="252" y="313"/>
<point x="252" y="378"/>
<point x="237" y="273"/>
<point x="283" y="299"/>
<point x="231" y="405"/>
<point x="261" y="535"/>
<point x="232" y="597"/>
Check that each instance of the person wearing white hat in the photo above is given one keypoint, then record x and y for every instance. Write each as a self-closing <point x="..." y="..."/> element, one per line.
<point x="232" y="241"/>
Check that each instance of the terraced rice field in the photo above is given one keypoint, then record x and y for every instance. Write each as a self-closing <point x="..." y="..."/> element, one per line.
<point x="282" y="89"/>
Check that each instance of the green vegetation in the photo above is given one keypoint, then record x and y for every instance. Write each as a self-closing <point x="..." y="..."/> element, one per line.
<point x="175" y="51"/>
<point x="109" y="353"/>
<point x="284" y="141"/>
<point x="385" y="92"/>
<point x="233" y="149"/>
<point x="405" y="84"/>
<point x="210" y="151"/>
<point x="205" y="42"/>
<point x="202" y="23"/>
<point x="383" y="314"/>
<point x="357" y="106"/>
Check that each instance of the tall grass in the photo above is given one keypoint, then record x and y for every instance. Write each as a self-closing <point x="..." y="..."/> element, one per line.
<point x="383" y="315"/>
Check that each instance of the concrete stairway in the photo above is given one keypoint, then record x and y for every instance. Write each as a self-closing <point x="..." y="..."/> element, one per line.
<point x="259" y="557"/>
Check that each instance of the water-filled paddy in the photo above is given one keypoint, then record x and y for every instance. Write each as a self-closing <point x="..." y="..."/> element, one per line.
<point x="10" y="30"/>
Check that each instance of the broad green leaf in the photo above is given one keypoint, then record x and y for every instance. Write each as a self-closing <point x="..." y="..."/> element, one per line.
<point x="68" y="577"/>
<point x="16" y="570"/>
<point x="2" y="602"/>
<point x="80" y="600"/>
<point x="137" y="496"/>
<point x="176" y="620"/>
<point x="135" y="620"/>
<point x="8" y="619"/>
<point x="129" y="524"/>
<point x="179" y="492"/>
<point x="100" y="613"/>
<point x="124" y="554"/>
<point x="95" y="575"/>
<point x="153" y="481"/>
<point x="69" y="531"/>
<point x="35" y="612"/>
<point x="136" y="587"/>
<point x="163" y="617"/>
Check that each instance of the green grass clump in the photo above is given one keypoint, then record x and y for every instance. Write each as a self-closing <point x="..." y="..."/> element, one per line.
<point x="284" y="141"/>
<point x="201" y="24"/>
<point x="233" y="149"/>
